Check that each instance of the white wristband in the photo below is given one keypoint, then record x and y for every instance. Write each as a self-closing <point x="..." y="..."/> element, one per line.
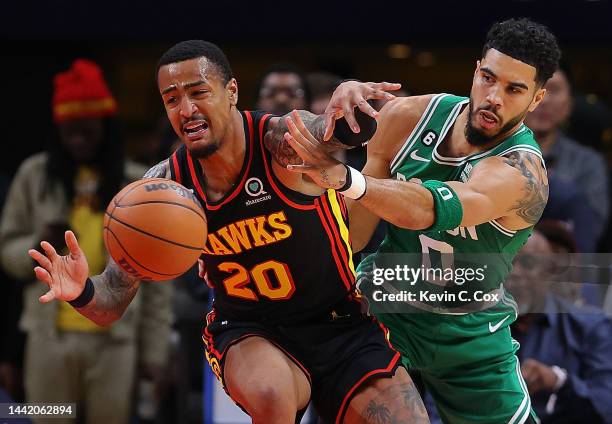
<point x="561" y="375"/>
<point x="357" y="187"/>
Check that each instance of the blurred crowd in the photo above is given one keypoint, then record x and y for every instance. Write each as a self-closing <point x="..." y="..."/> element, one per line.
<point x="148" y="366"/>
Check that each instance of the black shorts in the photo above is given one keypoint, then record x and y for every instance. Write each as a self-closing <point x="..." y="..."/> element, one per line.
<point x="338" y="352"/>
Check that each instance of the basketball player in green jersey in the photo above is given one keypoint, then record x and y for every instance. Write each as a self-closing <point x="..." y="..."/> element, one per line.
<point x="461" y="176"/>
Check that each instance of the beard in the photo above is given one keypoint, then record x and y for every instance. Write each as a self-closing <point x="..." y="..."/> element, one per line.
<point x="203" y="152"/>
<point x="477" y="137"/>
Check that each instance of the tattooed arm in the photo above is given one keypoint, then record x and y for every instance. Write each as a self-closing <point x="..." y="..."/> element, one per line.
<point x="66" y="276"/>
<point x="512" y="189"/>
<point x="280" y="149"/>
<point x="531" y="203"/>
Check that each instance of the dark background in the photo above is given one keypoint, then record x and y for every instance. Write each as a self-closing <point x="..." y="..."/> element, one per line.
<point x="439" y="44"/>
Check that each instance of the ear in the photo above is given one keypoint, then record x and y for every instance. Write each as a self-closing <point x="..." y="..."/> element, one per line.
<point x="539" y="96"/>
<point x="232" y="89"/>
<point x="477" y="67"/>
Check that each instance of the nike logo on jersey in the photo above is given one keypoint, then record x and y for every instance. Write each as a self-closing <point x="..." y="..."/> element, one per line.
<point x="415" y="156"/>
<point x="494" y="328"/>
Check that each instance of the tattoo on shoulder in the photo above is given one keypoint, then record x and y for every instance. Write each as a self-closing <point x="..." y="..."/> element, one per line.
<point x="535" y="192"/>
<point x="160" y="170"/>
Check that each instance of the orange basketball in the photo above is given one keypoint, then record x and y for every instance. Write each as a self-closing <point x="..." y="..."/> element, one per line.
<point x="155" y="229"/>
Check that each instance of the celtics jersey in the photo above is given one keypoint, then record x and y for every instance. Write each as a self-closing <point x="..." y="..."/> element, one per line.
<point x="459" y="270"/>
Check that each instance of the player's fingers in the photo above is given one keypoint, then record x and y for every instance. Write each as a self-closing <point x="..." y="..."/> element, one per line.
<point x="49" y="250"/>
<point x="299" y="148"/>
<point x="366" y="108"/>
<point x="42" y="260"/>
<point x="47" y="297"/>
<point x="43" y="275"/>
<point x="304" y="138"/>
<point x="379" y="95"/>
<point x="330" y="124"/>
<point x="300" y="168"/>
<point x="349" y="115"/>
<point x="386" y="86"/>
<point x="73" y="244"/>
<point x="299" y="123"/>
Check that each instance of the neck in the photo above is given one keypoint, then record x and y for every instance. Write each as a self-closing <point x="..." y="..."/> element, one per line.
<point x="546" y="140"/>
<point x="222" y="168"/>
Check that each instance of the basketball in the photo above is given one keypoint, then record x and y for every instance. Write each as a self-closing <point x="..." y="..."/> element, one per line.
<point x="155" y="229"/>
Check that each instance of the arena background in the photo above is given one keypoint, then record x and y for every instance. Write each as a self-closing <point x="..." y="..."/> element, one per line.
<point x="428" y="46"/>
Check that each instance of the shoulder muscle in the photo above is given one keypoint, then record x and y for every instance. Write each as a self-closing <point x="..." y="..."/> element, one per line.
<point x="396" y="121"/>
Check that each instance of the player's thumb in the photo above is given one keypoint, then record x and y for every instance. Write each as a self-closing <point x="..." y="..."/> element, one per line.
<point x="47" y="297"/>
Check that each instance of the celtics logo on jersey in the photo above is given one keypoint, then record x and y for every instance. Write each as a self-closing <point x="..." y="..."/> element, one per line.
<point x="429" y="137"/>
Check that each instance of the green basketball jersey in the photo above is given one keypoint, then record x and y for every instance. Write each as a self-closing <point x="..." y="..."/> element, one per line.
<point x="487" y="249"/>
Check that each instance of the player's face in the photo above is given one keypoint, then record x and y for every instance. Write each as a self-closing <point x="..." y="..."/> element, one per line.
<point x="555" y="108"/>
<point x="503" y="91"/>
<point x="198" y="103"/>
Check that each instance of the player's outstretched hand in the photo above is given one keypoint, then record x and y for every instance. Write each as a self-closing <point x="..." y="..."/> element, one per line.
<point x="352" y="94"/>
<point x="325" y="170"/>
<point x="65" y="275"/>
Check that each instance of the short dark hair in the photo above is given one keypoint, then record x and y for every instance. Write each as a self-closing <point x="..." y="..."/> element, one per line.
<point x="527" y="41"/>
<point x="285" y="68"/>
<point x="192" y="49"/>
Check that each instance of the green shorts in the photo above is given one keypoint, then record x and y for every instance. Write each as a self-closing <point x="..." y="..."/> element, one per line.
<point x="467" y="362"/>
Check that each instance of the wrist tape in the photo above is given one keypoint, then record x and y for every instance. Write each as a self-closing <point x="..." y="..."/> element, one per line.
<point x="85" y="297"/>
<point x="355" y="186"/>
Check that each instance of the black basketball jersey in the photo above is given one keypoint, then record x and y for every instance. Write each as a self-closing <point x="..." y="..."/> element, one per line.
<point x="272" y="253"/>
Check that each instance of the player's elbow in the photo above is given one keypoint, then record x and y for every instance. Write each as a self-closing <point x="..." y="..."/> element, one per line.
<point x="417" y="220"/>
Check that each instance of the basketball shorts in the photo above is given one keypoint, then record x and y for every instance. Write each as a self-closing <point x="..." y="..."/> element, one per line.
<point x="339" y="352"/>
<point x="467" y="363"/>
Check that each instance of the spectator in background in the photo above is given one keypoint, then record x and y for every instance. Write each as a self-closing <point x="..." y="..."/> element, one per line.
<point x="322" y="85"/>
<point x="566" y="159"/>
<point x="568" y="203"/>
<point x="281" y="89"/>
<point x="11" y="339"/>
<point x="68" y="357"/>
<point x="565" y="350"/>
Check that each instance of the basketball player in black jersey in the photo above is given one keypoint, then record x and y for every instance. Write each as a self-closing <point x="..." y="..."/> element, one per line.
<point x="286" y="326"/>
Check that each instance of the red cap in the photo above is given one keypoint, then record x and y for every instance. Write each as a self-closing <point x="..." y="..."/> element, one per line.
<point x="81" y="92"/>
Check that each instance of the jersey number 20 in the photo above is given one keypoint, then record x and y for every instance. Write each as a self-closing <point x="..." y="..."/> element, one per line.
<point x="262" y="275"/>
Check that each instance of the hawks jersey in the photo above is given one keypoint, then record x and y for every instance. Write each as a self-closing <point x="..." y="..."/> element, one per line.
<point x="488" y="248"/>
<point x="272" y="253"/>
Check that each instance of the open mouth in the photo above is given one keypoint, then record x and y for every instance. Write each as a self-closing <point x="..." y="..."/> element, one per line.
<point x="487" y="119"/>
<point x="195" y="129"/>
